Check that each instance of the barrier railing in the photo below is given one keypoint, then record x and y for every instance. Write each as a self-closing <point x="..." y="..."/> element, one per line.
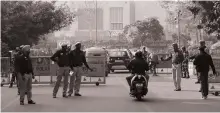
<point x="97" y="76"/>
<point x="42" y="65"/>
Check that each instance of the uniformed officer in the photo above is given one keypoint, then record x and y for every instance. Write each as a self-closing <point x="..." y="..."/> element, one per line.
<point x="185" y="69"/>
<point x="25" y="75"/>
<point x="202" y="44"/>
<point x="15" y="68"/>
<point x="77" y="58"/>
<point x="62" y="58"/>
<point x="202" y="62"/>
<point x="177" y="58"/>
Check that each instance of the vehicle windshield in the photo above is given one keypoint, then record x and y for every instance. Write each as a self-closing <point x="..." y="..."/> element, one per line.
<point x="118" y="53"/>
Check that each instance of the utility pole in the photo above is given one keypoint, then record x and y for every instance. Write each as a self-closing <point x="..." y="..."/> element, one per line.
<point x="96" y="22"/>
<point x="178" y="22"/>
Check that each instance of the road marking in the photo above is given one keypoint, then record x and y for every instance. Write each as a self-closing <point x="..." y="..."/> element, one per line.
<point x="147" y="108"/>
<point x="10" y="103"/>
<point x="201" y="103"/>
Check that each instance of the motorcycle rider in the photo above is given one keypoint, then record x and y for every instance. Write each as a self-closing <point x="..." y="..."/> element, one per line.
<point x="137" y="66"/>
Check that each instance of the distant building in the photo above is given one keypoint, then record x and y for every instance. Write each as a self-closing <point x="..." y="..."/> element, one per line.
<point x="112" y="16"/>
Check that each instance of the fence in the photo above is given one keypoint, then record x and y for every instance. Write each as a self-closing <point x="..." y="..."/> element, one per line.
<point x="42" y="66"/>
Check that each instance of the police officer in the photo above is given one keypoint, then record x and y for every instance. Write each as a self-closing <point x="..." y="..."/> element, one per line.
<point x="202" y="62"/>
<point x="25" y="75"/>
<point x="137" y="66"/>
<point x="177" y="58"/>
<point x="14" y="74"/>
<point x="185" y="69"/>
<point x="145" y="54"/>
<point x="77" y="60"/>
<point x="154" y="61"/>
<point x="62" y="58"/>
<point x="202" y="44"/>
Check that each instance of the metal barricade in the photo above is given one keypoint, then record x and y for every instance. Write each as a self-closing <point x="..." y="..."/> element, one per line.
<point x="42" y="66"/>
<point x="43" y="69"/>
<point x="98" y="75"/>
<point x="5" y="70"/>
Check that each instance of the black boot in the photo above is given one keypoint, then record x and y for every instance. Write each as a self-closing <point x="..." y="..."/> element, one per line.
<point x="31" y="102"/>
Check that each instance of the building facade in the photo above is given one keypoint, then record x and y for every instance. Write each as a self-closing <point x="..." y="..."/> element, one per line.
<point x="111" y="17"/>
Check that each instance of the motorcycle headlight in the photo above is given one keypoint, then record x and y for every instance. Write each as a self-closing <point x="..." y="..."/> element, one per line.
<point x="139" y="76"/>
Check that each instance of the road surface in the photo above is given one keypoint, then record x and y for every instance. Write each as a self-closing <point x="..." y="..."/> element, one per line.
<point x="114" y="97"/>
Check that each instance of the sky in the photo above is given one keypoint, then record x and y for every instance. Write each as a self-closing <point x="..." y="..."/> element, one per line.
<point x="150" y="9"/>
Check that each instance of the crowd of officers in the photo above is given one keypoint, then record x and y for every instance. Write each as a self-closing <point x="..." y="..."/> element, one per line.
<point x="70" y="63"/>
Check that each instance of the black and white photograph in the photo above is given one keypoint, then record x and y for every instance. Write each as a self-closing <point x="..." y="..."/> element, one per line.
<point x="110" y="56"/>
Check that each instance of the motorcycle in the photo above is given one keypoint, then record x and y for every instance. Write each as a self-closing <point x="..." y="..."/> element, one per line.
<point x="139" y="88"/>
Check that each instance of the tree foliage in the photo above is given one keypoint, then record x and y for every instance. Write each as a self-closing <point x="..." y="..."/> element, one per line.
<point x="147" y="29"/>
<point x="209" y="12"/>
<point x="24" y="22"/>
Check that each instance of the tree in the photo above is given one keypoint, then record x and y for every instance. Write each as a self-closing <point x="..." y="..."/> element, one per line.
<point x="148" y="29"/>
<point x="24" y="22"/>
<point x="183" y="39"/>
<point x="209" y="13"/>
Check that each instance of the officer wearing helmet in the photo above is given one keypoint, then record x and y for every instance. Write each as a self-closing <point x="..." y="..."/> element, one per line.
<point x="62" y="58"/>
<point x="137" y="66"/>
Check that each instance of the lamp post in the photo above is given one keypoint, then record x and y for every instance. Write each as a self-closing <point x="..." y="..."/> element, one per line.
<point x="96" y="22"/>
<point x="178" y="24"/>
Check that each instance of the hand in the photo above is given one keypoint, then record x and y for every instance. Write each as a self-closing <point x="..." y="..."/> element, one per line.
<point x="33" y="77"/>
<point x="161" y="59"/>
<point x="214" y="73"/>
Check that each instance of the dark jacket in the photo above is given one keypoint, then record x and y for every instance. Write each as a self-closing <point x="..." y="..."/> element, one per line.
<point x="177" y="57"/>
<point x="77" y="58"/>
<point x="138" y="66"/>
<point x="63" y="58"/>
<point x="15" y="61"/>
<point x="24" y="64"/>
<point x="203" y="61"/>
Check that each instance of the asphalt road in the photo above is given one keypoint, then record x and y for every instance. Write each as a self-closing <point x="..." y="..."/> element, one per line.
<point x="114" y="97"/>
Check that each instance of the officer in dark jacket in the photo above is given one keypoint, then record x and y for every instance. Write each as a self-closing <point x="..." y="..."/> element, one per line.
<point x="15" y="68"/>
<point x="25" y="75"/>
<point x="62" y="58"/>
<point x="202" y="44"/>
<point x="202" y="63"/>
<point x="77" y="59"/>
<point x="137" y="66"/>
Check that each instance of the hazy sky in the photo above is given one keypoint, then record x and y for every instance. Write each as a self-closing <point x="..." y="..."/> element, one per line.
<point x="150" y="9"/>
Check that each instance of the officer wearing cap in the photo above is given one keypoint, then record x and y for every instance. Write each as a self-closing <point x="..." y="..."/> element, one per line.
<point x="185" y="70"/>
<point x="62" y="58"/>
<point x="77" y="59"/>
<point x="201" y="44"/>
<point x="14" y="75"/>
<point x="18" y="52"/>
<point x="25" y="75"/>
<point x="177" y="59"/>
<point x="202" y="62"/>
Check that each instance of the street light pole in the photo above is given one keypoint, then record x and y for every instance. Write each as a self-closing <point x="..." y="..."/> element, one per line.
<point x="178" y="22"/>
<point x="96" y="22"/>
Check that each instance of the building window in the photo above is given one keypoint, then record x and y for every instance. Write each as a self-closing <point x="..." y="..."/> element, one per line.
<point x="116" y="18"/>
